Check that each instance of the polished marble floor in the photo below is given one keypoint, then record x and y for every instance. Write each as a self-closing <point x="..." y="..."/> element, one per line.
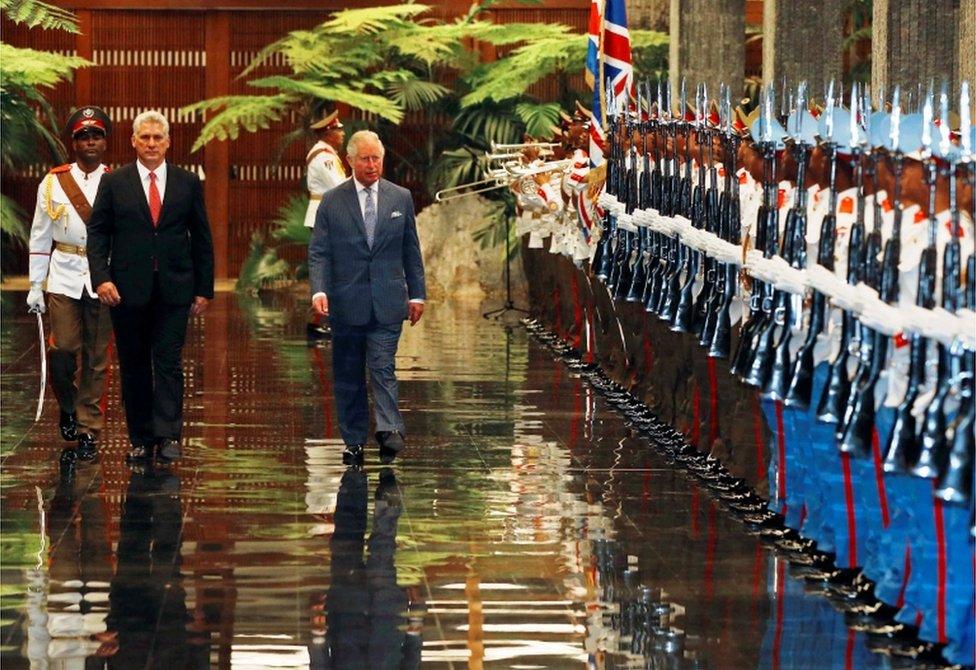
<point x="524" y="526"/>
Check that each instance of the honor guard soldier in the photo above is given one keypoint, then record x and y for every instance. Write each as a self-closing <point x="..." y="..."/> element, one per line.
<point x="325" y="171"/>
<point x="80" y="324"/>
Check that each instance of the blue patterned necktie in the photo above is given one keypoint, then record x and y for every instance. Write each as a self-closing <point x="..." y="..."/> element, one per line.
<point x="369" y="217"/>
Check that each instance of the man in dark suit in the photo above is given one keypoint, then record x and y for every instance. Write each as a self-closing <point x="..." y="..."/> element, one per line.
<point x="367" y="275"/>
<point x="151" y="259"/>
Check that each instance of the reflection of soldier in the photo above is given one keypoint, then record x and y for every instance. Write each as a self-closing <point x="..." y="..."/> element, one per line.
<point x="147" y="618"/>
<point x="366" y="621"/>
<point x="76" y="584"/>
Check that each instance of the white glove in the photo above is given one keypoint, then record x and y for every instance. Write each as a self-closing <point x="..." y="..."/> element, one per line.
<point x="35" y="300"/>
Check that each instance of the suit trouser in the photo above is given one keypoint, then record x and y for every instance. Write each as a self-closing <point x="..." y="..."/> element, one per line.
<point x="79" y="326"/>
<point x="354" y="348"/>
<point x="149" y="339"/>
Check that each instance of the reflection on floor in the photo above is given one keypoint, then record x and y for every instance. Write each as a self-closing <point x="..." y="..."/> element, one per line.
<point x="524" y="527"/>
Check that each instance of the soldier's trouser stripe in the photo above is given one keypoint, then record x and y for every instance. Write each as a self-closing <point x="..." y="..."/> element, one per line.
<point x="845" y="460"/>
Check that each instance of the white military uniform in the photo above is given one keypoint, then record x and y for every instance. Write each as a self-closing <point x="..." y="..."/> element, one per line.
<point x="325" y="171"/>
<point x="58" y="235"/>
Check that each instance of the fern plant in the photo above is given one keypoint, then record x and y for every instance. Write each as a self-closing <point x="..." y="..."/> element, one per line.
<point x="30" y="128"/>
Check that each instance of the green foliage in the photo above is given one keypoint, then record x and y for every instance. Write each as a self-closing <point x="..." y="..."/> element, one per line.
<point x="37" y="14"/>
<point x="250" y="112"/>
<point x="261" y="266"/>
<point x="11" y="221"/>
<point x="30" y="129"/>
<point x="540" y="119"/>
<point x="414" y="94"/>
<point x="289" y="224"/>
<point x="373" y="20"/>
<point x="482" y="125"/>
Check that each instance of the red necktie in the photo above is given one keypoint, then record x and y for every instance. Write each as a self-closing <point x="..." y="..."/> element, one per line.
<point x="155" y="202"/>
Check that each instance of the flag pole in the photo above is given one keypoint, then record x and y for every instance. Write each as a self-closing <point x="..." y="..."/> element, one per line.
<point x="600" y="58"/>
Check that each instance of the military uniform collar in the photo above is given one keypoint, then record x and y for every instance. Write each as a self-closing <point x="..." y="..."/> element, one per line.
<point x="82" y="176"/>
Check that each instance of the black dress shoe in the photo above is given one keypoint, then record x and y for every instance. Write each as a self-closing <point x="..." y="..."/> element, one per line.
<point x="87" y="447"/>
<point x="390" y="439"/>
<point x="68" y="424"/>
<point x="169" y="450"/>
<point x="353" y="454"/>
<point x="318" y="331"/>
<point x="387" y="489"/>
<point x="139" y="453"/>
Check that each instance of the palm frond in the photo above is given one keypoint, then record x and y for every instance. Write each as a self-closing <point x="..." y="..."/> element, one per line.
<point x="454" y="168"/>
<point x="30" y="68"/>
<point x="372" y="20"/>
<point x="369" y="102"/>
<point x="540" y="119"/>
<point x="261" y="266"/>
<point x="414" y="94"/>
<point x="485" y="124"/>
<point x="288" y="226"/>
<point x="28" y="125"/>
<point x="511" y="77"/>
<point x="298" y="47"/>
<point x="250" y="112"/>
<point x="13" y="221"/>
<point x="37" y="14"/>
<point x="511" y="33"/>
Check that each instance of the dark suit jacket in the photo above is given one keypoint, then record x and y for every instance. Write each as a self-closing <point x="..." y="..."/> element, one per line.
<point x="123" y="246"/>
<point x="360" y="281"/>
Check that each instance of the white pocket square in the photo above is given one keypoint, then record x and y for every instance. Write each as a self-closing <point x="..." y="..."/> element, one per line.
<point x="394" y="215"/>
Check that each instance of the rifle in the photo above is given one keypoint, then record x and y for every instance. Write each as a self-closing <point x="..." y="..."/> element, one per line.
<point x="833" y="400"/>
<point x="955" y="483"/>
<point x="766" y="219"/>
<point x="684" y="313"/>
<point x="773" y="305"/>
<point x="706" y="309"/>
<point x="800" y="389"/>
<point x="730" y="230"/>
<point x="680" y="204"/>
<point x="904" y="447"/>
<point x="661" y="195"/>
<point x="856" y="431"/>
<point x="933" y="459"/>
<point x="643" y="197"/>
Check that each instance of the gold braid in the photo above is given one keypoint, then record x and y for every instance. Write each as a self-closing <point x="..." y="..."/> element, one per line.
<point x="54" y="213"/>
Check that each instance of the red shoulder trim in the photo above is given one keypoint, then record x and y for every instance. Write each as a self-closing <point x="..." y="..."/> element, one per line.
<point x="108" y="169"/>
<point x="61" y="168"/>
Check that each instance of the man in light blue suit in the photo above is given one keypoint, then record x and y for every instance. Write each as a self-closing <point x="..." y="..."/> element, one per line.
<point x="367" y="276"/>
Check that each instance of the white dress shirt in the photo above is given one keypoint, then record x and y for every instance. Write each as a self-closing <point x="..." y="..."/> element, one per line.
<point x="361" y="195"/>
<point x="160" y="180"/>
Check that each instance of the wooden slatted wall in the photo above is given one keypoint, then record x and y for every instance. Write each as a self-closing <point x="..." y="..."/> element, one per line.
<point x="167" y="58"/>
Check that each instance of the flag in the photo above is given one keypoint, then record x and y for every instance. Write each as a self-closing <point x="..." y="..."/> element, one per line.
<point x="609" y="42"/>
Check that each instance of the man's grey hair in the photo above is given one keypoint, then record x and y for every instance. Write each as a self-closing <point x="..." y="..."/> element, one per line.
<point x="151" y="116"/>
<point x="359" y="137"/>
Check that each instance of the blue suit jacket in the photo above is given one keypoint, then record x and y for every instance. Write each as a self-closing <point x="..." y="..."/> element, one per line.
<point x="361" y="282"/>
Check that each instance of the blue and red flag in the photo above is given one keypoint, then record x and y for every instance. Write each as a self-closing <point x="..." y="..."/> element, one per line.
<point x="609" y="44"/>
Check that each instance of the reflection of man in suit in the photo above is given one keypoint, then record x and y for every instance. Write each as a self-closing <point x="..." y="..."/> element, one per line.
<point x="367" y="612"/>
<point x="151" y="259"/>
<point x="367" y="275"/>
<point x="147" y="603"/>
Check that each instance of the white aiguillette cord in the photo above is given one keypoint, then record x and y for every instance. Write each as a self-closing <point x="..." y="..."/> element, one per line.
<point x="948" y="328"/>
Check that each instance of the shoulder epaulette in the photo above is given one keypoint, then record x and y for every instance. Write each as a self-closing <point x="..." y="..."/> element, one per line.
<point x="61" y="168"/>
